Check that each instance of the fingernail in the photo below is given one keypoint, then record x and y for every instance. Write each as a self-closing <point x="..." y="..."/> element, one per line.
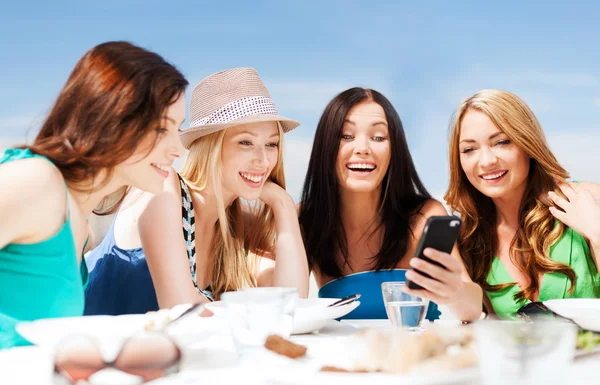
<point x="427" y="252"/>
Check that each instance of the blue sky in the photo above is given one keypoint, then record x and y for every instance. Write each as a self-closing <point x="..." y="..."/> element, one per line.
<point x="425" y="57"/>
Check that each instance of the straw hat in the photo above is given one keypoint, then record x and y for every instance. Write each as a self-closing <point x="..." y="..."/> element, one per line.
<point x="230" y="98"/>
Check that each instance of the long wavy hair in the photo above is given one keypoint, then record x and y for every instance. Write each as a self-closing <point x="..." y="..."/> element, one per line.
<point x="244" y="232"/>
<point x="402" y="193"/>
<point x="538" y="229"/>
<point x="114" y="97"/>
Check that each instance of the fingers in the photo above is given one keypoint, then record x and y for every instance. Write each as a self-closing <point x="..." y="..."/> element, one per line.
<point x="428" y="284"/>
<point x="558" y="214"/>
<point x="569" y="189"/>
<point x="426" y="294"/>
<point x="558" y="200"/>
<point x="437" y="272"/>
<point x="445" y="259"/>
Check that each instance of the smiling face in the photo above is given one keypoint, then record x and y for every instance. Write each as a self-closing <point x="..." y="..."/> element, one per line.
<point x="147" y="169"/>
<point x="493" y="164"/>
<point x="364" y="151"/>
<point x="249" y="154"/>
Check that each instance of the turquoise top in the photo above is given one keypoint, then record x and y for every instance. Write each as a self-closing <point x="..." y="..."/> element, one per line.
<point x="368" y="285"/>
<point x="38" y="280"/>
<point x="570" y="249"/>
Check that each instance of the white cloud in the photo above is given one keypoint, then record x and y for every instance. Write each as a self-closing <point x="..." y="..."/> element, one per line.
<point x="295" y="159"/>
<point x="535" y="77"/>
<point x="16" y="125"/>
<point x="313" y="94"/>
<point x="6" y="142"/>
<point x="577" y="152"/>
<point x="304" y="95"/>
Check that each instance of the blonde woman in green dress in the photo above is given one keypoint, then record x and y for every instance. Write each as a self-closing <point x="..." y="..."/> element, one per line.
<point x="528" y="235"/>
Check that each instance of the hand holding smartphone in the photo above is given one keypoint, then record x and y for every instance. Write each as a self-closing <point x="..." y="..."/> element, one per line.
<point x="440" y="233"/>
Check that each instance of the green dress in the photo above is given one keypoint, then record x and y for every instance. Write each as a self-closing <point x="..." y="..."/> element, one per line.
<point x="570" y="249"/>
<point x="38" y="280"/>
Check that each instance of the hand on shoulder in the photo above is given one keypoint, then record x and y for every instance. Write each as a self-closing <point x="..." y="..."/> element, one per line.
<point x="580" y="210"/>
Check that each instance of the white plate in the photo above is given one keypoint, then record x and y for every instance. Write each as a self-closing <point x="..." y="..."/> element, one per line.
<point x="112" y="330"/>
<point x="584" y="311"/>
<point x="341" y="353"/>
<point x="311" y="314"/>
<point x="300" y="377"/>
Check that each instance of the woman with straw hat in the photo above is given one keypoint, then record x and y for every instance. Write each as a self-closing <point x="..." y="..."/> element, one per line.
<point x="203" y="235"/>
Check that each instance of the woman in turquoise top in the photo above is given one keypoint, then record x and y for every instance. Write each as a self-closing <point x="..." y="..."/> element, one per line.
<point x="364" y="208"/>
<point x="114" y="124"/>
<point x="527" y="235"/>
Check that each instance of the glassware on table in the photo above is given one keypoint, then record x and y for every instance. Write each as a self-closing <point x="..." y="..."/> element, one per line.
<point x="403" y="310"/>
<point x="255" y="313"/>
<point x="514" y="352"/>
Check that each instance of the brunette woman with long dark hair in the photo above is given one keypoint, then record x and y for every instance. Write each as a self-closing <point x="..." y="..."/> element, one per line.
<point x="114" y="124"/>
<point x="364" y="208"/>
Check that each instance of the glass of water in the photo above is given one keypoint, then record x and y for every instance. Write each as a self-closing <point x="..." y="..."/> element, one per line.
<point x="403" y="310"/>
<point x="514" y="352"/>
<point x="254" y="313"/>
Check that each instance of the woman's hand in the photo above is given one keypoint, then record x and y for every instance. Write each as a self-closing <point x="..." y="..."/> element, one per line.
<point x="445" y="285"/>
<point x="272" y="194"/>
<point x="580" y="211"/>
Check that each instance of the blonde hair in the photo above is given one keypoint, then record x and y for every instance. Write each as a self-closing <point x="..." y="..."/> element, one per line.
<point x="538" y="228"/>
<point x="243" y="232"/>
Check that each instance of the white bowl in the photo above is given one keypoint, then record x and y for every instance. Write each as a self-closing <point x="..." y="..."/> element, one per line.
<point x="584" y="311"/>
<point x="311" y="314"/>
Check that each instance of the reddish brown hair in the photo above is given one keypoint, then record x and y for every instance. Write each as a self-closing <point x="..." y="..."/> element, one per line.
<point x="115" y="96"/>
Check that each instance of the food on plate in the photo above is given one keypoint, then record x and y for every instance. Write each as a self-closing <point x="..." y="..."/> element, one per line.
<point x="587" y="340"/>
<point x="335" y="369"/>
<point x="280" y="345"/>
<point x="402" y="351"/>
<point x="158" y="320"/>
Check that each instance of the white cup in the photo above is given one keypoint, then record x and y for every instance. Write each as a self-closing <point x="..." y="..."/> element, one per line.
<point x="254" y="313"/>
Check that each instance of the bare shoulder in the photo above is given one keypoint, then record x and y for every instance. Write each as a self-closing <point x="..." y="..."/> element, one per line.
<point x="32" y="188"/>
<point x="24" y="180"/>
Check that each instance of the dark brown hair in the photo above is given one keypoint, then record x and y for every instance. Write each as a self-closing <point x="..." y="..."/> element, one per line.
<point x="402" y="195"/>
<point x="114" y="97"/>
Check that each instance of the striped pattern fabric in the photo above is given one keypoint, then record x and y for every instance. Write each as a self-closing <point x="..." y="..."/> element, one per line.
<point x="189" y="234"/>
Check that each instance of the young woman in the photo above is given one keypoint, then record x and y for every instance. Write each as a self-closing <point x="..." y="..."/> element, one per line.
<point x="364" y="208"/>
<point x="509" y="189"/>
<point x="114" y="124"/>
<point x="202" y="236"/>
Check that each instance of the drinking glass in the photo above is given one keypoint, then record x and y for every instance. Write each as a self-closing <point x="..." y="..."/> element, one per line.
<point x="514" y="352"/>
<point x="403" y="310"/>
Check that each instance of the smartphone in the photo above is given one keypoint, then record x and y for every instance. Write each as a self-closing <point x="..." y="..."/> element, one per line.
<point x="440" y="233"/>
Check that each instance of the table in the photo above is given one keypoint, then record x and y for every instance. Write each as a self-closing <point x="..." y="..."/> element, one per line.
<point x="215" y="361"/>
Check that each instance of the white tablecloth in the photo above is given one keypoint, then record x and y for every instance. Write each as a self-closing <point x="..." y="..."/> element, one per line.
<point x="214" y="362"/>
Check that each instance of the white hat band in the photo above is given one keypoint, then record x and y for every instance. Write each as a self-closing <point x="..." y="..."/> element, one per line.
<point x="238" y="109"/>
